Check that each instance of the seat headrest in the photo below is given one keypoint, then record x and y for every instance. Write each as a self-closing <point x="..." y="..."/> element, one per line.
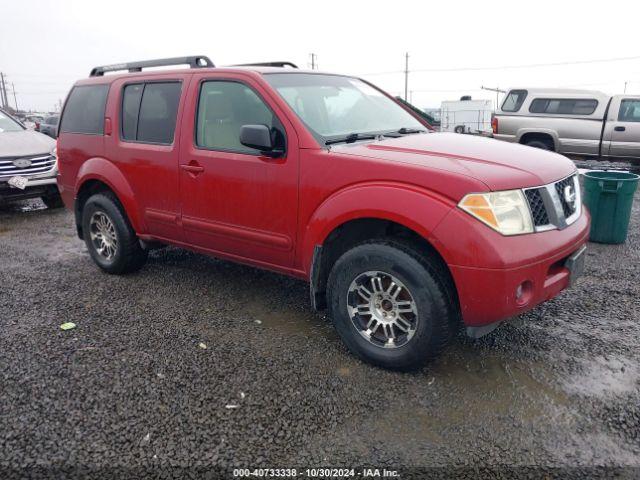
<point x="218" y="107"/>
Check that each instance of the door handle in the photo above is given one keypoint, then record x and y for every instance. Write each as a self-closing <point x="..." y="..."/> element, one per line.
<point x="620" y="129"/>
<point x="192" y="168"/>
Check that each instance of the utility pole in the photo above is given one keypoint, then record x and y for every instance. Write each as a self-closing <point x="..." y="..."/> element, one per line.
<point x="15" y="100"/>
<point x="406" y="76"/>
<point x="313" y="61"/>
<point x="3" y="91"/>
<point x="498" y="92"/>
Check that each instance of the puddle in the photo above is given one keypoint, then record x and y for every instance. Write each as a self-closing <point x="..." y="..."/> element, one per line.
<point x="290" y="321"/>
<point x="481" y="374"/>
<point x="604" y="377"/>
<point x="422" y="426"/>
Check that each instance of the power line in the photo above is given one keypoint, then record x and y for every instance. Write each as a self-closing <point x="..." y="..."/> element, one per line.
<point x="509" y="67"/>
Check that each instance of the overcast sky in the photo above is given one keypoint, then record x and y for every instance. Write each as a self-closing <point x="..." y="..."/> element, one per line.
<point x="46" y="45"/>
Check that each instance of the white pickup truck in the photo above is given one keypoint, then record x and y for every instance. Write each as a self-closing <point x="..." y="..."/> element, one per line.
<point x="576" y="122"/>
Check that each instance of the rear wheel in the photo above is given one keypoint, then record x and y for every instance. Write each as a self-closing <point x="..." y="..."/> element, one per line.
<point x="390" y="305"/>
<point x="543" y="145"/>
<point x="110" y="239"/>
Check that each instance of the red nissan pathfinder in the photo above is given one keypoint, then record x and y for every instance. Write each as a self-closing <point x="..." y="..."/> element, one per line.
<point x="403" y="234"/>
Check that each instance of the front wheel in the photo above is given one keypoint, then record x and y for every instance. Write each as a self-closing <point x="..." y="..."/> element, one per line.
<point x="110" y="239"/>
<point x="53" y="200"/>
<point x="390" y="304"/>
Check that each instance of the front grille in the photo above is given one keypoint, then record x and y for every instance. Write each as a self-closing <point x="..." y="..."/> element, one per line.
<point x="536" y="205"/>
<point x="567" y="208"/>
<point x="38" y="164"/>
<point x="549" y="207"/>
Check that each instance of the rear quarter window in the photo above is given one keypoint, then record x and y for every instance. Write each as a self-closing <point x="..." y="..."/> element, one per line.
<point x="84" y="110"/>
<point x="514" y="100"/>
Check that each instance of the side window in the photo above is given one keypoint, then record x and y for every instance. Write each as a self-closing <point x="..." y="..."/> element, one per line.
<point x="84" y="110"/>
<point x="560" y="106"/>
<point x="223" y="108"/>
<point x="149" y="112"/>
<point x="130" y="108"/>
<point x="629" y="111"/>
<point x="538" y="105"/>
<point x="514" y="100"/>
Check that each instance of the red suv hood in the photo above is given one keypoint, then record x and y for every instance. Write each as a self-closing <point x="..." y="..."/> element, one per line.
<point x="499" y="165"/>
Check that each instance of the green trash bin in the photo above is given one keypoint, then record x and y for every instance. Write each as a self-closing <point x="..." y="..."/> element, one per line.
<point x="609" y="197"/>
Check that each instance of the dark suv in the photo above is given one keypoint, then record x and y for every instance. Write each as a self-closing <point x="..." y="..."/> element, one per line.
<point x="403" y="234"/>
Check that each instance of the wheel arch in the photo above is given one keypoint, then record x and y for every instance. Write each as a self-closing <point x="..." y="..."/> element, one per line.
<point x="551" y="136"/>
<point x="99" y="174"/>
<point x="385" y="217"/>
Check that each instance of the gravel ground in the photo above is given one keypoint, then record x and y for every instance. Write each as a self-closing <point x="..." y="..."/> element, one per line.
<point x="131" y="393"/>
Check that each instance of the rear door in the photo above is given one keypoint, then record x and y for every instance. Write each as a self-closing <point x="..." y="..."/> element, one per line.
<point x="236" y="201"/>
<point x="145" y="147"/>
<point x="622" y="129"/>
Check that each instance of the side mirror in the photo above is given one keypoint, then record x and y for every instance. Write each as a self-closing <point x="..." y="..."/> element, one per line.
<point x="256" y="136"/>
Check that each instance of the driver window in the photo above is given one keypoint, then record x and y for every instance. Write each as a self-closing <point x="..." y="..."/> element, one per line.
<point x="223" y="108"/>
<point x="629" y="111"/>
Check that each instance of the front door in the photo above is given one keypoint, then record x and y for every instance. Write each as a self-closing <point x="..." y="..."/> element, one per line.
<point x="236" y="201"/>
<point x="622" y="131"/>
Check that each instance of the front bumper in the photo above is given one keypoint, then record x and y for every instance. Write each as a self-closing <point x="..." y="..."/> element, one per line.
<point x="490" y="270"/>
<point x="36" y="187"/>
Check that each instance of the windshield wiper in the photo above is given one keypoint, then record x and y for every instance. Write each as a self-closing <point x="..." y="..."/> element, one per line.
<point x="402" y="131"/>
<point x="406" y="131"/>
<point x="352" y="137"/>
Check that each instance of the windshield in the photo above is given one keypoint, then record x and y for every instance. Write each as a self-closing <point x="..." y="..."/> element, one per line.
<point x="8" y="124"/>
<point x="334" y="106"/>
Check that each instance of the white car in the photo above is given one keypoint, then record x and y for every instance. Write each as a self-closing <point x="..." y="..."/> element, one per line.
<point x="28" y="164"/>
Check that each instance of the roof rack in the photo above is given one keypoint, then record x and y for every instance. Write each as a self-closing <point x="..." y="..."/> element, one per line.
<point x="267" y="64"/>
<point x="195" y="61"/>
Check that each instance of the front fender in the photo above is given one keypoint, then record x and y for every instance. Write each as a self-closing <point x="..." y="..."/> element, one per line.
<point x="103" y="170"/>
<point x="414" y="207"/>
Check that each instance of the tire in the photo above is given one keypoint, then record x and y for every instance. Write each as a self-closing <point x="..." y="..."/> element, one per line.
<point x="459" y="129"/>
<point x="53" y="201"/>
<point x="125" y="255"/>
<point x="539" y="144"/>
<point x="425" y="284"/>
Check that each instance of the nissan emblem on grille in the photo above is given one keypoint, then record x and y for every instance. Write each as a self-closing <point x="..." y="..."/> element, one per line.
<point x="22" y="162"/>
<point x="554" y="205"/>
<point x="570" y="195"/>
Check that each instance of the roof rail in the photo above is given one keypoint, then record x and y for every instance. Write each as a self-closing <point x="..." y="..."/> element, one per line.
<point x="267" y="64"/>
<point x="195" y="61"/>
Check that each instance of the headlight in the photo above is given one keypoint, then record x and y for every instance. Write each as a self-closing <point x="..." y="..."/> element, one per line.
<point x="506" y="212"/>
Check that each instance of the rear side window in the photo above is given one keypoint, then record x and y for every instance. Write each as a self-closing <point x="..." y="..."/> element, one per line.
<point x="84" y="111"/>
<point x="149" y="112"/>
<point x="559" y="106"/>
<point x="514" y="100"/>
